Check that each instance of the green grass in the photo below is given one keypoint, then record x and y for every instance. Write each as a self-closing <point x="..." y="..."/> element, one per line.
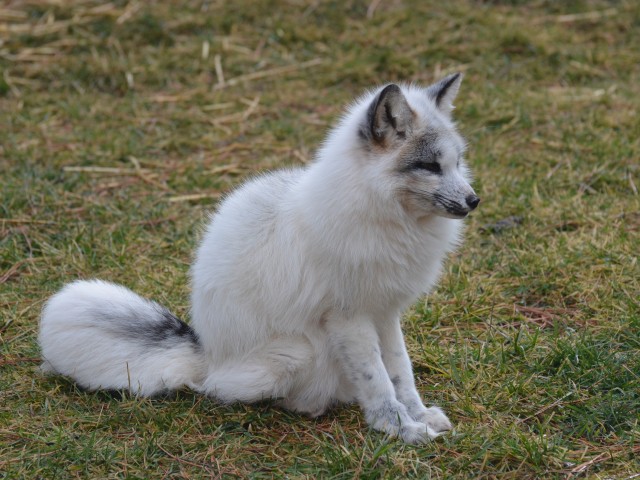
<point x="532" y="340"/>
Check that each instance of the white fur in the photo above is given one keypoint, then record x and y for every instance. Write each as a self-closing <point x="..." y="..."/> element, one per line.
<point x="298" y="288"/>
<point x="77" y="344"/>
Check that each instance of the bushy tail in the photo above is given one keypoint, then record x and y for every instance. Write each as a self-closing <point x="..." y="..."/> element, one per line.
<point x="104" y="336"/>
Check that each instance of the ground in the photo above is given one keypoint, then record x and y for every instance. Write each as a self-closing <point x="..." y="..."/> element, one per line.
<point x="123" y="123"/>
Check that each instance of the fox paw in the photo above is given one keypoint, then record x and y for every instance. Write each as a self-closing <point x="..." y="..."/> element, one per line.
<point x="416" y="433"/>
<point x="392" y="418"/>
<point x="435" y="420"/>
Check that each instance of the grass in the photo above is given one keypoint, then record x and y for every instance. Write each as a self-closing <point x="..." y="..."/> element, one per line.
<point x="122" y="123"/>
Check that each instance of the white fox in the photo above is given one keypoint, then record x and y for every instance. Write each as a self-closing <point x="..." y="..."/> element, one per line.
<point x="300" y="280"/>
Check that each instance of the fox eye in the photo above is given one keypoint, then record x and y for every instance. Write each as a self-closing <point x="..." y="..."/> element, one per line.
<point x="433" y="167"/>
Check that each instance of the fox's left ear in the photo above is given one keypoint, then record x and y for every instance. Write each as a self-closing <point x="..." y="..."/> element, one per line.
<point x="389" y="115"/>
<point x="444" y="92"/>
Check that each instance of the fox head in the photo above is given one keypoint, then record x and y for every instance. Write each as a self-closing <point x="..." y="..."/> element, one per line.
<point x="407" y="132"/>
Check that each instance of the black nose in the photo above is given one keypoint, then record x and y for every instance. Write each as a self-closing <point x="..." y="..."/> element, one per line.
<point x="472" y="201"/>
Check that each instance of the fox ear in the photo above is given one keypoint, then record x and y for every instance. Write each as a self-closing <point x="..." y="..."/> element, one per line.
<point x="444" y="92"/>
<point x="389" y="115"/>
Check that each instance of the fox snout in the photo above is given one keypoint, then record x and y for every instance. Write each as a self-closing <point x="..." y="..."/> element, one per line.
<point x="457" y="206"/>
<point x="472" y="201"/>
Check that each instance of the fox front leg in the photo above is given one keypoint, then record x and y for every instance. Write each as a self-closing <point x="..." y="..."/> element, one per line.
<point x="398" y="365"/>
<point x="355" y="343"/>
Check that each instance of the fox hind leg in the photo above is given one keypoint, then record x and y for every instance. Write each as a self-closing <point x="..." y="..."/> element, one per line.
<point x="266" y="373"/>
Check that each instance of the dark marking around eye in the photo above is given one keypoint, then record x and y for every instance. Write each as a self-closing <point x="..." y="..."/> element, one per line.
<point x="422" y="154"/>
<point x="432" y="167"/>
